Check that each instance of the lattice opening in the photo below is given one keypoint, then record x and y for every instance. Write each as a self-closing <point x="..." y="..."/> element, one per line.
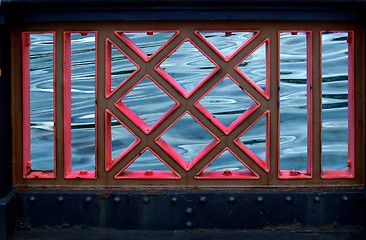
<point x="337" y="105"/>
<point x="119" y="68"/>
<point x="119" y="140"/>
<point x="147" y="44"/>
<point x="147" y="104"/>
<point x="255" y="141"/>
<point x="227" y="43"/>
<point x="255" y="68"/>
<point x="147" y="165"/>
<point x="227" y="104"/>
<point x="38" y="105"/>
<point x="295" y="104"/>
<point x="226" y="166"/>
<point x="187" y="68"/>
<point x="187" y="145"/>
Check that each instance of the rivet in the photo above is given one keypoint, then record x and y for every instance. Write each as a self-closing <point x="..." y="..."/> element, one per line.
<point x="227" y="172"/>
<point x="117" y="199"/>
<point x="288" y="199"/>
<point x="29" y="164"/>
<point x="149" y="173"/>
<point x="189" y="210"/>
<point x="203" y="199"/>
<point x="345" y="198"/>
<point x="88" y="199"/>
<point x="174" y="200"/>
<point x="232" y="199"/>
<point x="145" y="199"/>
<point x="32" y="199"/>
<point x="260" y="199"/>
<point x="60" y="199"/>
<point x="317" y="199"/>
<point x="189" y="224"/>
<point x="294" y="173"/>
<point x="349" y="163"/>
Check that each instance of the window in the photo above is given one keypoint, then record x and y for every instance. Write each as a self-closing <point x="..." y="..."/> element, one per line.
<point x="243" y="103"/>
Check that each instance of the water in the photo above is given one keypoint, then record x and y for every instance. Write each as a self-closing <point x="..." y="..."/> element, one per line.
<point x="41" y="101"/>
<point x="334" y="101"/>
<point x="82" y="101"/>
<point x="189" y="139"/>
<point x="293" y="103"/>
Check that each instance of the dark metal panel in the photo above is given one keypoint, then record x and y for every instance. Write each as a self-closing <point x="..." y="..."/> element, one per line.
<point x="169" y="210"/>
<point x="5" y="113"/>
<point x="7" y="215"/>
<point x="50" y="11"/>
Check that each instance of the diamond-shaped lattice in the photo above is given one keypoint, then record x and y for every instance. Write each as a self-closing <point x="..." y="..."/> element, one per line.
<point x="254" y="142"/>
<point x="187" y="68"/>
<point x="226" y="166"/>
<point x="147" y="44"/>
<point x="147" y="104"/>
<point x="120" y="66"/>
<point x="187" y="141"/>
<point x="228" y="104"/>
<point x="255" y="68"/>
<point x="227" y="43"/>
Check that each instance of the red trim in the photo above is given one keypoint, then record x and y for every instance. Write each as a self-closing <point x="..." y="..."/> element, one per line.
<point x="147" y="174"/>
<point x="68" y="172"/>
<point x="226" y="174"/>
<point x="227" y="32"/>
<point x="266" y="93"/>
<point x="109" y="162"/>
<point x="174" y="83"/>
<point x="309" y="63"/>
<point x="350" y="173"/>
<point x="294" y="174"/>
<point x="179" y="159"/>
<point x="139" y="51"/>
<point x="239" y="120"/>
<point x="28" y="172"/>
<point x="135" y="118"/>
<point x="108" y="65"/>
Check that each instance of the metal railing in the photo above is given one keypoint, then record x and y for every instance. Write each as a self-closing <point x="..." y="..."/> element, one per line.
<point x="113" y="196"/>
<point x="187" y="173"/>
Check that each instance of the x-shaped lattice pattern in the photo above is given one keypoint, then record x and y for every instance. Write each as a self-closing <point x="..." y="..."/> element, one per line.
<point x="186" y="98"/>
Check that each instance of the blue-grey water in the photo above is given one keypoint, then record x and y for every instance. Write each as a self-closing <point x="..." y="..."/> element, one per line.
<point x="226" y="101"/>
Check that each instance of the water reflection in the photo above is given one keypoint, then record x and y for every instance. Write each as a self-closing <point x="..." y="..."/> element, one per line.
<point x="227" y="106"/>
<point x="334" y="101"/>
<point x="293" y="102"/>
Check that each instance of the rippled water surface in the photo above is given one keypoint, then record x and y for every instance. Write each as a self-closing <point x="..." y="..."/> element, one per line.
<point x="41" y="101"/>
<point x="188" y="67"/>
<point x="293" y="102"/>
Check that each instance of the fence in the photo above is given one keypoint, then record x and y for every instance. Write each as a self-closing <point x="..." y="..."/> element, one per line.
<point x="190" y="186"/>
